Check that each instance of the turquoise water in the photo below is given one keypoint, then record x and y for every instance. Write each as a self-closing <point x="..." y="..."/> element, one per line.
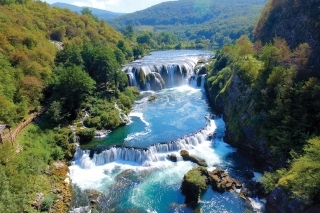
<point x="144" y="180"/>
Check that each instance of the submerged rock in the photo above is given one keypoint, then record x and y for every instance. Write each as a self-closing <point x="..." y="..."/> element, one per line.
<point x="187" y="157"/>
<point x="152" y="97"/>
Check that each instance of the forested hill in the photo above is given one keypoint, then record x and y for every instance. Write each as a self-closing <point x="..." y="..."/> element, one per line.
<point x="58" y="63"/>
<point x="296" y="21"/>
<point x="220" y="21"/>
<point x="102" y="14"/>
<point x="269" y="94"/>
<point x="28" y="57"/>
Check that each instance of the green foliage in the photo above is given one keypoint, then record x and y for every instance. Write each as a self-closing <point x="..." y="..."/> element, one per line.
<point x="279" y="104"/>
<point x="23" y="175"/>
<point x="270" y="179"/>
<point x="71" y="86"/>
<point x="196" y="177"/>
<point x="47" y="202"/>
<point x="303" y="176"/>
<point x="86" y="135"/>
<point x="276" y="18"/>
<point x="63" y="77"/>
<point x="88" y="12"/>
<point x="28" y="57"/>
<point x="205" y="22"/>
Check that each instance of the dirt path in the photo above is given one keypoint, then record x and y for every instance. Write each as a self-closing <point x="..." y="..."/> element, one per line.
<point x="12" y="137"/>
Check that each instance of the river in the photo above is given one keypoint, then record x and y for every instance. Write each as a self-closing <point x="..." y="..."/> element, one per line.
<point x="129" y="168"/>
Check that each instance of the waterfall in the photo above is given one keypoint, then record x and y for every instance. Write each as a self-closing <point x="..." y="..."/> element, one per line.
<point x="157" y="77"/>
<point x="203" y="79"/>
<point x="144" y="157"/>
<point x="124" y="118"/>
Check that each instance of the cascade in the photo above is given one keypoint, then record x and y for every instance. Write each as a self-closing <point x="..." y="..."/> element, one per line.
<point x="124" y="118"/>
<point x="156" y="152"/>
<point x="157" y="77"/>
<point x="203" y="79"/>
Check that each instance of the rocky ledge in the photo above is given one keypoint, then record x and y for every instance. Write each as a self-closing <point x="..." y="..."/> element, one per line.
<point x="187" y="157"/>
<point x="197" y="180"/>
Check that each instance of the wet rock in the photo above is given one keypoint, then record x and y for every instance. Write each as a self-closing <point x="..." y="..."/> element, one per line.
<point x="197" y="180"/>
<point x="249" y="174"/>
<point x="152" y="98"/>
<point x="173" y="157"/>
<point x="187" y="157"/>
<point x="210" y="136"/>
<point x="221" y="181"/>
<point x="281" y="201"/>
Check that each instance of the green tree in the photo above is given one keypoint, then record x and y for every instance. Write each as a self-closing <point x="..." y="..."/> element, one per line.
<point x="88" y="12"/>
<point x="72" y="85"/>
<point x="129" y="32"/>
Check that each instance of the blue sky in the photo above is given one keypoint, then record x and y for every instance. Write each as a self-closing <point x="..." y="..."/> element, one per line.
<point x="121" y="6"/>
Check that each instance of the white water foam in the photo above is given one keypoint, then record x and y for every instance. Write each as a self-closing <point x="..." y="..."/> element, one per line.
<point x="139" y="115"/>
<point x="257" y="205"/>
<point x="91" y="174"/>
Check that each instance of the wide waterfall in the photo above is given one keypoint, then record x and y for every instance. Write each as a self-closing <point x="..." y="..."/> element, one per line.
<point x="156" y="152"/>
<point x="132" y="169"/>
<point x="155" y="75"/>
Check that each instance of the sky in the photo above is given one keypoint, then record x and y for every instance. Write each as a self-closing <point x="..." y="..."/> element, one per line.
<point x="119" y="6"/>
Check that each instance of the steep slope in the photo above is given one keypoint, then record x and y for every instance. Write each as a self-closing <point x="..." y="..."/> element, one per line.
<point x="269" y="99"/>
<point x="297" y="21"/>
<point x="53" y="60"/>
<point x="221" y="21"/>
<point x="102" y="14"/>
<point x="27" y="55"/>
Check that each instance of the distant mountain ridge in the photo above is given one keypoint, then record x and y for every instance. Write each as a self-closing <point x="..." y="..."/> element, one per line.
<point x="102" y="14"/>
<point x="220" y="21"/>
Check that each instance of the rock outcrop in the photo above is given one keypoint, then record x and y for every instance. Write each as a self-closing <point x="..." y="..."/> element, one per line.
<point x="194" y="183"/>
<point x="221" y="181"/>
<point x="187" y="157"/>
<point x="197" y="180"/>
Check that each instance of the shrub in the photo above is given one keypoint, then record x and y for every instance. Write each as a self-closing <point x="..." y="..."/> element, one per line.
<point x="86" y="135"/>
<point x="47" y="202"/>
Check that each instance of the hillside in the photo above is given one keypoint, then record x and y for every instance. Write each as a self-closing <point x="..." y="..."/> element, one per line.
<point x="295" y="21"/>
<point x="102" y="14"/>
<point x="58" y="64"/>
<point x="219" y="21"/>
<point x="269" y="99"/>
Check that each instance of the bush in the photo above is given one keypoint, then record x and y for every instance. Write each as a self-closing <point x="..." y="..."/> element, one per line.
<point x="47" y="202"/>
<point x="86" y="135"/>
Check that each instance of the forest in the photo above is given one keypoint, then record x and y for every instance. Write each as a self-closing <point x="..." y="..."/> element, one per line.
<point x="209" y="23"/>
<point x="64" y="65"/>
<point x="278" y="101"/>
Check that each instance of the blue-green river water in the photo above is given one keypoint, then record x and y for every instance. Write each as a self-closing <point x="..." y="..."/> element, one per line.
<point x="144" y="179"/>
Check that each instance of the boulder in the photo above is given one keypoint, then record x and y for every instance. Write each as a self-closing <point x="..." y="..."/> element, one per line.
<point x="152" y="98"/>
<point x="193" y="185"/>
<point x="221" y="181"/>
<point x="187" y="157"/>
<point x="172" y="157"/>
<point x="197" y="180"/>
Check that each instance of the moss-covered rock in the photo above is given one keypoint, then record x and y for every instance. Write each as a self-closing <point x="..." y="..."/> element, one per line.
<point x="86" y="135"/>
<point x="194" y="184"/>
<point x="197" y="180"/>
